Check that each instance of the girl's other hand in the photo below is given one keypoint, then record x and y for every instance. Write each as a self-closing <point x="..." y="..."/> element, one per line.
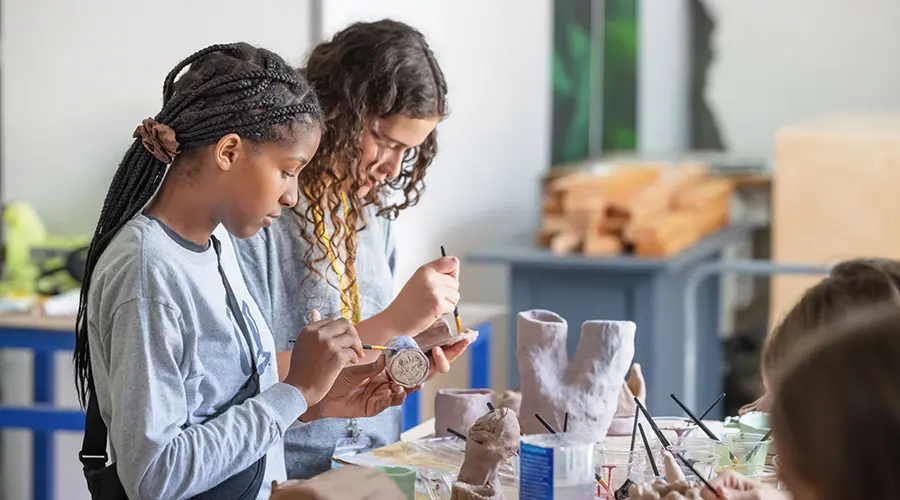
<point x="431" y="292"/>
<point x="442" y="357"/>
<point x="734" y="486"/>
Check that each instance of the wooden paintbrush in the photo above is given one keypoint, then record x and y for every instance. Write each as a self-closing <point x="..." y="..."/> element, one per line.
<point x="378" y="348"/>
<point x="459" y="328"/>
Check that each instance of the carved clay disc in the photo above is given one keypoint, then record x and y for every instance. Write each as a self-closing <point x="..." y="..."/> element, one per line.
<point x="408" y="367"/>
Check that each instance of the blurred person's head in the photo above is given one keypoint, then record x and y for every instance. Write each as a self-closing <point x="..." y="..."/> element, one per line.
<point x="836" y="409"/>
<point x="851" y="285"/>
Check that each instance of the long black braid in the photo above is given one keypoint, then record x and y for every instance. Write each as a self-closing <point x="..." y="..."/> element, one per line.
<point x="233" y="88"/>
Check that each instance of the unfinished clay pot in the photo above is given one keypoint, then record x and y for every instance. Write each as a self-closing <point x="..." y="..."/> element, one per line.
<point x="511" y="400"/>
<point x="492" y="439"/>
<point x="458" y="409"/>
<point x="348" y="482"/>
<point x="440" y="334"/>
<point x="587" y="388"/>
<point x="623" y="421"/>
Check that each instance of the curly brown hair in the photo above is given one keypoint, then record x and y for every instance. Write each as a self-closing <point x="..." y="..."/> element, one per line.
<point x="365" y="72"/>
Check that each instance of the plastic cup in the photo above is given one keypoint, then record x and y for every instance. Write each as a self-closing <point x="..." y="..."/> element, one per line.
<point x="747" y="448"/>
<point x="615" y="466"/>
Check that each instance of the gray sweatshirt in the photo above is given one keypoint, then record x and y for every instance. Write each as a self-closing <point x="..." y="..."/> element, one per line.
<point x="272" y="263"/>
<point x="166" y="354"/>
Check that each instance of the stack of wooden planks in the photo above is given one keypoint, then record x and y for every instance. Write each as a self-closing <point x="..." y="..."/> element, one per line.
<point x="649" y="209"/>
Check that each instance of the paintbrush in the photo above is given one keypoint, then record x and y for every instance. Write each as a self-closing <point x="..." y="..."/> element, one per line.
<point x="459" y="328"/>
<point x="649" y="453"/>
<point x="720" y="398"/>
<point x="756" y="448"/>
<point x="566" y="423"/>
<point x="367" y="347"/>
<point x="490" y="406"/>
<point x="551" y="430"/>
<point x="379" y="348"/>
<point x="634" y="427"/>
<point x="659" y="434"/>
<point x="701" y="425"/>
<point x="456" y="434"/>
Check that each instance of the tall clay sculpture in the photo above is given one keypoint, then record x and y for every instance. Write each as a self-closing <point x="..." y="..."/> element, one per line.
<point x="348" y="482"/>
<point x="492" y="439"/>
<point x="587" y="388"/>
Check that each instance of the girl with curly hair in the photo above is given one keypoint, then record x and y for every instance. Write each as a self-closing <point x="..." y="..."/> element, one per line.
<point x="383" y="94"/>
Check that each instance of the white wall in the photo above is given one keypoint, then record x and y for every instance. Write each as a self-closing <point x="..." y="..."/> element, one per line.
<point x="483" y="187"/>
<point x="664" y="80"/>
<point x="780" y="62"/>
<point x="77" y="78"/>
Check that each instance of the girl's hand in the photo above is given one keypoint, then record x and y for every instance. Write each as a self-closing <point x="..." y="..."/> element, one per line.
<point x="734" y="486"/>
<point x="359" y="391"/>
<point x="323" y="349"/>
<point x="441" y="358"/>
<point x="430" y="293"/>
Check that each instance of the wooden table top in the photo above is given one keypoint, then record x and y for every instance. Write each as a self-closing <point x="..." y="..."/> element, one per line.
<point x="63" y="324"/>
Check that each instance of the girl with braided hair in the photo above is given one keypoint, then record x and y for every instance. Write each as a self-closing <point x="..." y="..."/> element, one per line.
<point x="173" y="358"/>
<point x="383" y="94"/>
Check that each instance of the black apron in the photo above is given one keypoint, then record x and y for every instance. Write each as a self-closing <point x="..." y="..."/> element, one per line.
<point x="103" y="480"/>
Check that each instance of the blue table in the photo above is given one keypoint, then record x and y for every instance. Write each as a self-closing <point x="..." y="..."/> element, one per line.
<point x="43" y="336"/>
<point x="647" y="291"/>
<point x="477" y="317"/>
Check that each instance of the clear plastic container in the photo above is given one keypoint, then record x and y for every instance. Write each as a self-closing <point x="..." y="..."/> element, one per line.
<point x="616" y="466"/>
<point x="747" y="449"/>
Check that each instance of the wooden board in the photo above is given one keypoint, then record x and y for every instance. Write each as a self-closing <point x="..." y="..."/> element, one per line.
<point x="834" y="196"/>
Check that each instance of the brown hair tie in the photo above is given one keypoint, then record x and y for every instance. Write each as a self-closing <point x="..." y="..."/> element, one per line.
<point x="158" y="139"/>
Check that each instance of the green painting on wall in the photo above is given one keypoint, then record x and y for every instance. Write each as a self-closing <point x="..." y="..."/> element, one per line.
<point x="594" y="78"/>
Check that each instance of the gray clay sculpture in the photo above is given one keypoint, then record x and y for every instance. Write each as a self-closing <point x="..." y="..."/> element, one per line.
<point x="511" y="400"/>
<point x="623" y="420"/>
<point x="458" y="409"/>
<point x="587" y="387"/>
<point x="492" y="439"/>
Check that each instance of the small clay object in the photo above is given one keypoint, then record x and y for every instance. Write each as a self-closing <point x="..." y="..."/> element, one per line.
<point x="348" y="482"/>
<point x="634" y="387"/>
<point x="587" y="388"/>
<point x="661" y="490"/>
<point x="511" y="400"/>
<point x="440" y="334"/>
<point x="458" y="409"/>
<point x="492" y="439"/>
<point x="406" y="364"/>
<point x="674" y="474"/>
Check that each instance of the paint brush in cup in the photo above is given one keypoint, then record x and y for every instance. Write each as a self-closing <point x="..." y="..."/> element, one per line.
<point x="756" y="448"/>
<point x="649" y="452"/>
<point x="702" y="426"/>
<point x="720" y="398"/>
<point x="659" y="434"/>
<point x="459" y="328"/>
